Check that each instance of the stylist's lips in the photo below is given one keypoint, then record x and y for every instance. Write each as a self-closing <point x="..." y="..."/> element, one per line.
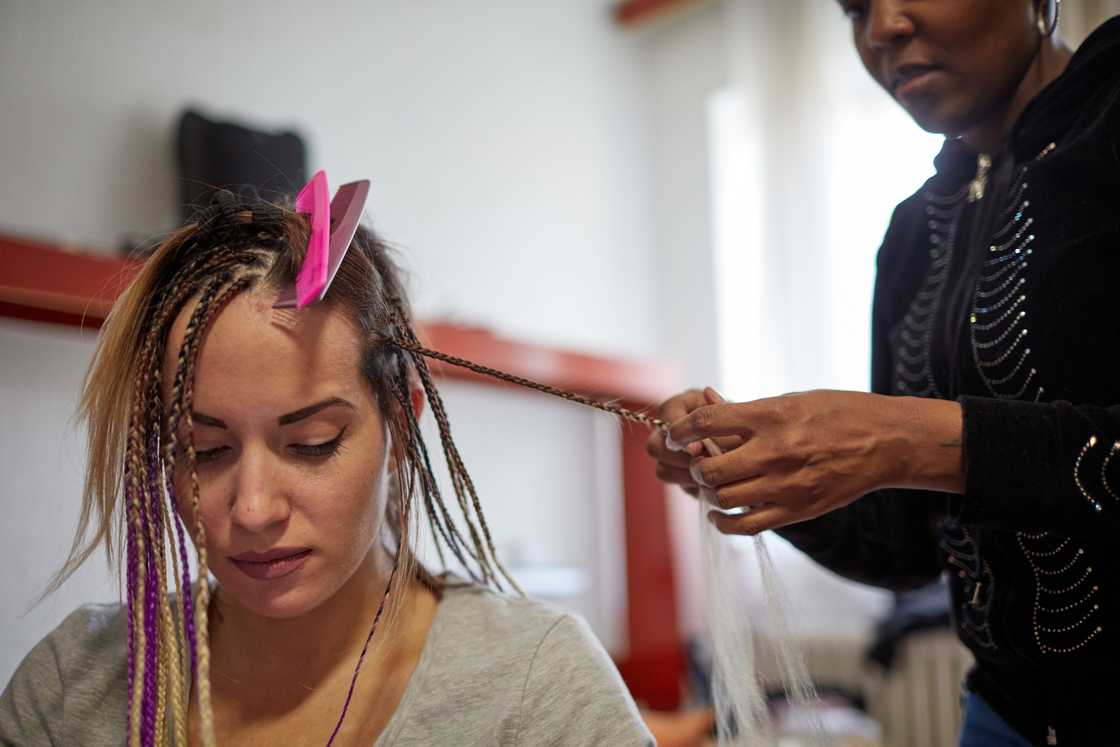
<point x="911" y="80"/>
<point x="275" y="563"/>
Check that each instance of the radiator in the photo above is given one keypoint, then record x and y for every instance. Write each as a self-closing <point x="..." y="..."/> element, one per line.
<point x="918" y="702"/>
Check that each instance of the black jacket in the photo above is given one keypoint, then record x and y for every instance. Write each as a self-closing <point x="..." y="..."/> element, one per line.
<point x="1010" y="303"/>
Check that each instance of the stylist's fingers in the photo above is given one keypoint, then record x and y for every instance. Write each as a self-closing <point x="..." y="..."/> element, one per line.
<point x="656" y="448"/>
<point x="677" y="406"/>
<point x="676" y="476"/>
<point x="711" y="421"/>
<point x="727" y="468"/>
<point x="725" y="443"/>
<point x="760" y="519"/>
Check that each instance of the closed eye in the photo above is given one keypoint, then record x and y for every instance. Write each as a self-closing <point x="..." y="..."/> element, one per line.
<point x="319" y="451"/>
<point x="210" y="455"/>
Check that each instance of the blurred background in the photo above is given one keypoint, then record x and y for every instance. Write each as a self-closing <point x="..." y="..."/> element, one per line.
<point x="667" y="193"/>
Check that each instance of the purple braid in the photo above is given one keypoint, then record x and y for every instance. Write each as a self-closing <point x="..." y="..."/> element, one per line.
<point x="188" y="602"/>
<point x="362" y="656"/>
<point x="151" y="630"/>
<point x="130" y="552"/>
<point x="168" y="470"/>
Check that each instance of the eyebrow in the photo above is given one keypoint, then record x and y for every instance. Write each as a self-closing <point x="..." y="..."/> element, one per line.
<point x="291" y="417"/>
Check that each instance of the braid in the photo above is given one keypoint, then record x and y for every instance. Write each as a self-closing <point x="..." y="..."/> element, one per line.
<point x="138" y="571"/>
<point x="442" y="523"/>
<point x="420" y="462"/>
<point x="414" y="347"/>
<point x="173" y="630"/>
<point x="183" y="395"/>
<point x="146" y="520"/>
<point x="486" y="555"/>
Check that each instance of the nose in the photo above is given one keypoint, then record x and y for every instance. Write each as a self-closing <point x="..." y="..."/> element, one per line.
<point x="887" y="24"/>
<point x="259" y="501"/>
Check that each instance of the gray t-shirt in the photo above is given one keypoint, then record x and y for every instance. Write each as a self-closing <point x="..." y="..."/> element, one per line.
<point x="495" y="670"/>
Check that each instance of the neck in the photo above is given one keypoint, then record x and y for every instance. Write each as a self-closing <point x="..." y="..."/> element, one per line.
<point x="1048" y="63"/>
<point x="308" y="650"/>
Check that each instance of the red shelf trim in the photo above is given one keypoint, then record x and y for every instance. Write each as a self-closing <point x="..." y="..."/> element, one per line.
<point x="38" y="281"/>
<point x="637" y="12"/>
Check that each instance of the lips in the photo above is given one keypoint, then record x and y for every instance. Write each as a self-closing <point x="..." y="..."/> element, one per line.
<point x="272" y="564"/>
<point x="904" y="74"/>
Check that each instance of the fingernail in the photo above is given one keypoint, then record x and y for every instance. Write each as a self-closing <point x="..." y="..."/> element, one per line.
<point x="672" y="445"/>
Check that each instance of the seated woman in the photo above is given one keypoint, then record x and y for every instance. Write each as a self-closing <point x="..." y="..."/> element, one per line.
<point x="285" y="442"/>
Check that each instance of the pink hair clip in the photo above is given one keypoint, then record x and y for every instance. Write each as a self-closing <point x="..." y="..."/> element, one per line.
<point x="333" y="227"/>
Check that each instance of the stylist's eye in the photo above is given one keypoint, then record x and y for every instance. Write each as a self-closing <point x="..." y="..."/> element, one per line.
<point x="318" y="451"/>
<point x="853" y="11"/>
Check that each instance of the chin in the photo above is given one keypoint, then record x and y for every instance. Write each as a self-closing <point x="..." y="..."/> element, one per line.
<point x="941" y="117"/>
<point x="279" y="599"/>
<point x="930" y="119"/>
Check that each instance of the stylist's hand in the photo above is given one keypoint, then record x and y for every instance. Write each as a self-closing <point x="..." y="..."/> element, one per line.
<point x="803" y="455"/>
<point x="672" y="465"/>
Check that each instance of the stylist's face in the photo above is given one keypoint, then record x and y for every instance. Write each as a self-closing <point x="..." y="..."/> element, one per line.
<point x="951" y="64"/>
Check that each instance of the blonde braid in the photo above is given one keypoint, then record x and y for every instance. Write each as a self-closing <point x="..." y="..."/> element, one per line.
<point x="163" y="642"/>
<point x="174" y="632"/>
<point x="134" y="518"/>
<point x="208" y="306"/>
<point x="170" y="644"/>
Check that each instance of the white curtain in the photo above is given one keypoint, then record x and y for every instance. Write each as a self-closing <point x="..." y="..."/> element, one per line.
<point x="1080" y="17"/>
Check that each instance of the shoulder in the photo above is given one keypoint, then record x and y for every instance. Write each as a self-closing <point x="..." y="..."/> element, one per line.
<point x="915" y="217"/>
<point x="479" y="631"/>
<point x="907" y="227"/>
<point x="543" y="663"/>
<point x="537" y="635"/>
<point x="77" y="674"/>
<point x="89" y="638"/>
<point x="510" y="617"/>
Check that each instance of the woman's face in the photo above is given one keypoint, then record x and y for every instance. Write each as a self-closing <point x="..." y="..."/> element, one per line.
<point x="292" y="454"/>
<point x="951" y="64"/>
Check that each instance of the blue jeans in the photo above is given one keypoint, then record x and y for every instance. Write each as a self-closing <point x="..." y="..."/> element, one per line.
<point x="984" y="728"/>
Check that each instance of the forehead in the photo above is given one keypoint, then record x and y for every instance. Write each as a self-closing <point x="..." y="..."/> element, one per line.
<point x="256" y="358"/>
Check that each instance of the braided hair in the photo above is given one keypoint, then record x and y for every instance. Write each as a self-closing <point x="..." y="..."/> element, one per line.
<point x="138" y="440"/>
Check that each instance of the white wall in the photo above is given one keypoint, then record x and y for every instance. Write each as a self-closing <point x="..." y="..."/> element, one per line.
<point x="686" y="64"/>
<point x="507" y="143"/>
<point x="766" y="258"/>
<point x="42" y="458"/>
<point x="506" y="140"/>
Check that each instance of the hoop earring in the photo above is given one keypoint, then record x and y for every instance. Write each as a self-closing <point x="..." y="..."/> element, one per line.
<point x="1047" y="14"/>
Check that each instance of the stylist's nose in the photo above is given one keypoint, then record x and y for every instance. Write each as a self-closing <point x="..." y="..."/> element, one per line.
<point x="887" y="24"/>
<point x="258" y="501"/>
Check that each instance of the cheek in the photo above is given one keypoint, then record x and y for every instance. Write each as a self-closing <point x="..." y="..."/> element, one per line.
<point x="869" y="61"/>
<point x="352" y="500"/>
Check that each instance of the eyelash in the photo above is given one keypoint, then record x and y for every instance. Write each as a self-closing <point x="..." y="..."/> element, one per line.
<point x="308" y="451"/>
<point x="319" y="451"/>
